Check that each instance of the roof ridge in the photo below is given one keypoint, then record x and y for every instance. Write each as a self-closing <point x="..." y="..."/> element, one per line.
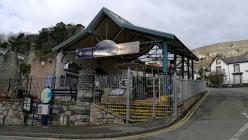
<point x="118" y="18"/>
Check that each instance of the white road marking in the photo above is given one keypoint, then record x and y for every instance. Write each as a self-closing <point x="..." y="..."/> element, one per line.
<point x="241" y="130"/>
<point x="239" y="133"/>
<point x="245" y="114"/>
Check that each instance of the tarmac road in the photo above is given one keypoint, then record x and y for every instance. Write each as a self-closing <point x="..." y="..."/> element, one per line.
<point x="222" y="116"/>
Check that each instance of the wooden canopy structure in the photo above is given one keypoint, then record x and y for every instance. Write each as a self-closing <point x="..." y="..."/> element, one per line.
<point x="109" y="26"/>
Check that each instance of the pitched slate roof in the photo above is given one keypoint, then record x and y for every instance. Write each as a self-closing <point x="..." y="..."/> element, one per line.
<point x="123" y="23"/>
<point x="236" y="59"/>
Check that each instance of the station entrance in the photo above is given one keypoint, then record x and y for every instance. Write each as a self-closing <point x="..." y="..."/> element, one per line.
<point x="126" y="68"/>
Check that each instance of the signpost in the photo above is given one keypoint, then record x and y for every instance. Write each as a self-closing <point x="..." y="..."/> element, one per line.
<point x="43" y="109"/>
<point x="124" y="83"/>
<point x="27" y="106"/>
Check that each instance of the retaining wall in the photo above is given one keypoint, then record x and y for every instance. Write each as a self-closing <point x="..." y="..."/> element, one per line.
<point x="187" y="104"/>
<point x="61" y="114"/>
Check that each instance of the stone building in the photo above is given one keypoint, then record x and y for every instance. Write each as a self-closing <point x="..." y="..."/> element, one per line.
<point x="9" y="69"/>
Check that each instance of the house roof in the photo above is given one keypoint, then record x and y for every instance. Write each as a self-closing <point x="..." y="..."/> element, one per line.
<point x="127" y="26"/>
<point x="233" y="59"/>
<point x="236" y="59"/>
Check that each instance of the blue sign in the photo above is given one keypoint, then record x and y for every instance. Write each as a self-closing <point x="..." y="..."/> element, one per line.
<point x="84" y="53"/>
<point x="46" y="95"/>
<point x="107" y="48"/>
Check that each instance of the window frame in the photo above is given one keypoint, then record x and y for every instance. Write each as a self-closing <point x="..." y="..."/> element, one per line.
<point x="218" y="71"/>
<point x="218" y="61"/>
<point x="234" y="66"/>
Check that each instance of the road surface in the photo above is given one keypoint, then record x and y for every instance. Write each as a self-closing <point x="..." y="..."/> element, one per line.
<point x="222" y="116"/>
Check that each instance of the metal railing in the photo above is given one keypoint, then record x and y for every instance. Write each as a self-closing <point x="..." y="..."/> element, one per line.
<point x="186" y="89"/>
<point x="146" y="97"/>
<point x="14" y="88"/>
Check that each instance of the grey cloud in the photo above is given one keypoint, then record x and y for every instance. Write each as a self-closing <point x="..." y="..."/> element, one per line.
<point x="195" y="22"/>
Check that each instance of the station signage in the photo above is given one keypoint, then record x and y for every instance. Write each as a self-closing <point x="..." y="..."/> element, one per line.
<point x="46" y="95"/>
<point x="124" y="83"/>
<point x="108" y="48"/>
<point x="117" y="92"/>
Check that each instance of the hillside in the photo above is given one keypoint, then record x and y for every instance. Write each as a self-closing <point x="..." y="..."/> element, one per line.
<point x="43" y="42"/>
<point x="226" y="49"/>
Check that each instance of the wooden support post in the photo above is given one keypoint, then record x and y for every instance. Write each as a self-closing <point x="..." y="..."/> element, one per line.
<point x="183" y="67"/>
<point x="192" y="69"/>
<point x="175" y="63"/>
<point x="188" y="73"/>
<point x="165" y="66"/>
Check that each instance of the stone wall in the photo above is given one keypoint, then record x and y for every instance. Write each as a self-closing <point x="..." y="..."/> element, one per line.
<point x="99" y="115"/>
<point x="61" y="114"/>
<point x="9" y="66"/>
<point x="9" y="69"/>
<point x="11" y="112"/>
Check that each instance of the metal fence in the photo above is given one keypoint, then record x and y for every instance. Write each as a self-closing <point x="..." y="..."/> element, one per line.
<point x="186" y="89"/>
<point x="134" y="97"/>
<point x="17" y="87"/>
<point x="146" y="97"/>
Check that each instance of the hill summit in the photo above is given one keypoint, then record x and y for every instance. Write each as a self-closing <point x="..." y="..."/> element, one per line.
<point x="225" y="49"/>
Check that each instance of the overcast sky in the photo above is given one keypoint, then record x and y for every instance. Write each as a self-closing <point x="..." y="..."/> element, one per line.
<point x="195" y="22"/>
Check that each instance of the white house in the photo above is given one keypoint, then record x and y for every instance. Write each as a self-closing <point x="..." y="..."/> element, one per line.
<point x="235" y="68"/>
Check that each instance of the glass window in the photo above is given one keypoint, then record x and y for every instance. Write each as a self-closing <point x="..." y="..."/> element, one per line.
<point x="236" y="68"/>
<point x="218" y="69"/>
<point x="218" y="61"/>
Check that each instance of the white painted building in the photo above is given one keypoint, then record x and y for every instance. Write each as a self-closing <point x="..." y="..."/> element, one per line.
<point x="234" y="68"/>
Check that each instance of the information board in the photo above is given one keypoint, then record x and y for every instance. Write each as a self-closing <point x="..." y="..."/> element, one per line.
<point x="27" y="103"/>
<point x="117" y="92"/>
<point x="43" y="109"/>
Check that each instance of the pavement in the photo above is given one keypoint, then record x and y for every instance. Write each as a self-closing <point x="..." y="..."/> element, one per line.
<point x="89" y="132"/>
<point x="86" y="131"/>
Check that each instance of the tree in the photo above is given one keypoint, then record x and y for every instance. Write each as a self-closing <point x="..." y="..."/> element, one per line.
<point x="59" y="32"/>
<point x="201" y="72"/>
<point x="25" y="69"/>
<point x="216" y="79"/>
<point x="42" y="42"/>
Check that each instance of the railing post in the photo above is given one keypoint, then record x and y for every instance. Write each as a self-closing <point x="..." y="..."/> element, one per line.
<point x="180" y="91"/>
<point x="94" y="91"/>
<point x="154" y="96"/>
<point x="128" y="95"/>
<point x="175" y="96"/>
<point x="159" y="89"/>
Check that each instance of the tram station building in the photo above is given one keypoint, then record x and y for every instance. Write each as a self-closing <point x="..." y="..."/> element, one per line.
<point x="111" y="45"/>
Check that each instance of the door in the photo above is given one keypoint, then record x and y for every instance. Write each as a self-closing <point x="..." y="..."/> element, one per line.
<point x="237" y="79"/>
